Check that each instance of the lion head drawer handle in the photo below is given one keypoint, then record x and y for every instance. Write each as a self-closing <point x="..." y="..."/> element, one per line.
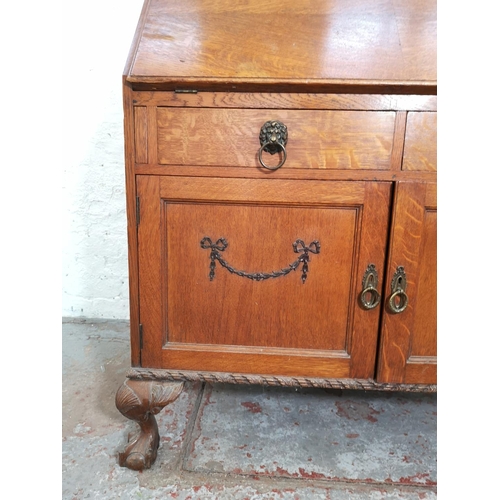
<point x="273" y="138"/>
<point x="298" y="247"/>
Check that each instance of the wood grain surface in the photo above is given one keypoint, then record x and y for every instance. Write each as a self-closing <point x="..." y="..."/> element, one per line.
<point x="408" y="346"/>
<point x="354" y="42"/>
<point x="355" y="83"/>
<point x="141" y="134"/>
<point x="421" y="142"/>
<point x="189" y="316"/>
<point x="357" y="140"/>
<point x="282" y="100"/>
<point x="130" y="185"/>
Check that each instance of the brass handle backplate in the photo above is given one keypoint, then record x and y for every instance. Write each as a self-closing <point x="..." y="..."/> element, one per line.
<point x="370" y="297"/>
<point x="398" y="301"/>
<point x="273" y="138"/>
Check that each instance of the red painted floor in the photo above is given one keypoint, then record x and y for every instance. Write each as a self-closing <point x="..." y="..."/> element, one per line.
<point x="240" y="442"/>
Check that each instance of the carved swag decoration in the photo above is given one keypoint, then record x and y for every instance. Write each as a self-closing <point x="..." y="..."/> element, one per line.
<point x="298" y="247"/>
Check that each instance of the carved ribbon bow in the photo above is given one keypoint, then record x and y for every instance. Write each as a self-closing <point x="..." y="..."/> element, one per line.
<point x="219" y="246"/>
<point x="300" y="247"/>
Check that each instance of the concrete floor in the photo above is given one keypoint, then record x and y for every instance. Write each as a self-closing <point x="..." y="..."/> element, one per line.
<point x="240" y="442"/>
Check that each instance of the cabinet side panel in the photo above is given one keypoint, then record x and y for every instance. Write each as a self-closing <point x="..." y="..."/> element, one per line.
<point x="133" y="269"/>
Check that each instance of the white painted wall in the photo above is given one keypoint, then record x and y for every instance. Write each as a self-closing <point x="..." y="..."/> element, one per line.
<point x="97" y="35"/>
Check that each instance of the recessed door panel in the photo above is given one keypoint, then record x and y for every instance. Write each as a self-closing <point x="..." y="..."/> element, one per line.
<point x="256" y="300"/>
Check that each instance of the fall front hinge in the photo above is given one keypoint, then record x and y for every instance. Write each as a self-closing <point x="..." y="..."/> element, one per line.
<point x="140" y="336"/>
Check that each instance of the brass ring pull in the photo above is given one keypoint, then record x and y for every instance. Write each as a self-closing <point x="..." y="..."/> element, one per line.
<point x="370" y="282"/>
<point x="273" y="138"/>
<point x="280" y="164"/>
<point x="403" y="302"/>
<point x="398" y="289"/>
<point x="374" y="298"/>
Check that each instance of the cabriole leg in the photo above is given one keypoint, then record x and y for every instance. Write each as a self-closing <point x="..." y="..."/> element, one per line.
<point x="140" y="400"/>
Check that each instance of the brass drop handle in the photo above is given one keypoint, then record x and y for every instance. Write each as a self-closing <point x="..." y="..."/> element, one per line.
<point x="398" y="301"/>
<point x="370" y="297"/>
<point x="273" y="138"/>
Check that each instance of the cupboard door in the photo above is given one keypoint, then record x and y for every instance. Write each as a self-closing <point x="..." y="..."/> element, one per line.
<point x="408" y="352"/>
<point x="217" y="289"/>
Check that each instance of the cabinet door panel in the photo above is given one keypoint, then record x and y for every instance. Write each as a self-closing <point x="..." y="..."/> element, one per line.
<point x="199" y="313"/>
<point x="408" y="344"/>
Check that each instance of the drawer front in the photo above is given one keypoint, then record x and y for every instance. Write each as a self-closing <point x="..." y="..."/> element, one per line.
<point x="420" y="152"/>
<point x="317" y="139"/>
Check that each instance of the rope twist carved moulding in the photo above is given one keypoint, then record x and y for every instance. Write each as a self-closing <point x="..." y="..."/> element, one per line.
<point x="271" y="380"/>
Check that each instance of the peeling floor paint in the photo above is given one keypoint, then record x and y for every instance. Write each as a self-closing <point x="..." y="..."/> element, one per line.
<point x="308" y="433"/>
<point x="240" y="442"/>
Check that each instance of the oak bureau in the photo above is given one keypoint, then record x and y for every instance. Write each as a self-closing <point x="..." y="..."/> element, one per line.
<point x="281" y="199"/>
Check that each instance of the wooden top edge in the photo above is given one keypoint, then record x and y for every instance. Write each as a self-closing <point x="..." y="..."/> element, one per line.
<point x="425" y="87"/>
<point x="135" y="41"/>
<point x="306" y="81"/>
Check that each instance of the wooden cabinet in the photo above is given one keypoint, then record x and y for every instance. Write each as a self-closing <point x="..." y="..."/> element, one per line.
<point x="282" y="223"/>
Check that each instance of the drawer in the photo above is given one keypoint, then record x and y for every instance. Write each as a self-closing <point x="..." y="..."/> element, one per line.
<point x="420" y="152"/>
<point x="317" y="139"/>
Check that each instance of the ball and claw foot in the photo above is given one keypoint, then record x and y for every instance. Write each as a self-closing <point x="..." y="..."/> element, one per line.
<point x="141" y="400"/>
